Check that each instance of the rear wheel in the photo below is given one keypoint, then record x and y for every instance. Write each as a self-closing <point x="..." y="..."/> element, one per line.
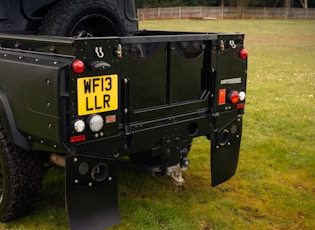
<point x="20" y="179"/>
<point x="89" y="18"/>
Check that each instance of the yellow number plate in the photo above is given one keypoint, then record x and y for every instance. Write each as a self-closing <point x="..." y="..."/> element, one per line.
<point x="97" y="94"/>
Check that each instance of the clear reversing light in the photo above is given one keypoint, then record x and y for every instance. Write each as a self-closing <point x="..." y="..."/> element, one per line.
<point x="79" y="126"/>
<point x="95" y="122"/>
<point x="241" y="95"/>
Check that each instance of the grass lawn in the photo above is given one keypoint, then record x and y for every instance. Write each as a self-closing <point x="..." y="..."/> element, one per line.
<point x="274" y="187"/>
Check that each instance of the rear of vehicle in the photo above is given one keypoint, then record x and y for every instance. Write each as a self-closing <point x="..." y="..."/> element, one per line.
<point x="147" y="96"/>
<point x="144" y="96"/>
<point x="163" y="87"/>
<point x="107" y="92"/>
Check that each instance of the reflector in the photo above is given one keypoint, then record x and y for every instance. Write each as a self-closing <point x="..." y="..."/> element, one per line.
<point x="79" y="138"/>
<point x="240" y="106"/>
<point x="222" y="96"/>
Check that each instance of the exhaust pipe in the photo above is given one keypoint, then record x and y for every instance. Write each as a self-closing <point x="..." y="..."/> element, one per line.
<point x="58" y="159"/>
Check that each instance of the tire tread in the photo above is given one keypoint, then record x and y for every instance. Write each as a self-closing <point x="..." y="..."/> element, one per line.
<point x="22" y="173"/>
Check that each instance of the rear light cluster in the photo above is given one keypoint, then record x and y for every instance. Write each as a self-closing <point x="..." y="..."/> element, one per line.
<point x="234" y="97"/>
<point x="94" y="122"/>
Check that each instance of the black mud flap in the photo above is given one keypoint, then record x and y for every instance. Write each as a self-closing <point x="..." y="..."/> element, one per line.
<point x="225" y="147"/>
<point x="91" y="193"/>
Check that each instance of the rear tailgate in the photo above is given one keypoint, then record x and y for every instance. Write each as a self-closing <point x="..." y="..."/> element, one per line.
<point x="168" y="90"/>
<point x="159" y="87"/>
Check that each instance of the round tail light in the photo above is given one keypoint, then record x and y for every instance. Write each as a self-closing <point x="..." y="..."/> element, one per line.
<point x="243" y="53"/>
<point x="79" y="126"/>
<point x="96" y="122"/>
<point x="233" y="97"/>
<point x="78" y="66"/>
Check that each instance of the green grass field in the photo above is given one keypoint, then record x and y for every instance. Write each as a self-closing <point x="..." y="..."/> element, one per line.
<point x="274" y="187"/>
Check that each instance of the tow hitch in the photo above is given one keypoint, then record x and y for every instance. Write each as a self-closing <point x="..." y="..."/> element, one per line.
<point x="176" y="172"/>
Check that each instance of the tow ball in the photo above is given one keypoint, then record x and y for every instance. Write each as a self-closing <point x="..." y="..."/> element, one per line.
<point x="176" y="172"/>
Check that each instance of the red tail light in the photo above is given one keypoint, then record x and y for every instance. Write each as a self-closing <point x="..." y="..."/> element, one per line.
<point x="233" y="97"/>
<point x="78" y="66"/>
<point x="243" y="53"/>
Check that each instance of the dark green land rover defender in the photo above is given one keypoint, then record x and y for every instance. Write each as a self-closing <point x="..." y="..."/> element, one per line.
<point x="81" y="87"/>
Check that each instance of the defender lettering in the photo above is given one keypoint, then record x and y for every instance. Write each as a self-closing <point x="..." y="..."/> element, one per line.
<point x="230" y="81"/>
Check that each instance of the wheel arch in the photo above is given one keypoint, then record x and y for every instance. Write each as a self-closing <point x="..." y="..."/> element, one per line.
<point x="7" y="117"/>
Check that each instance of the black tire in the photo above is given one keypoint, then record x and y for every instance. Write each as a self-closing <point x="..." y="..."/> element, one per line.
<point x="20" y="179"/>
<point x="88" y="18"/>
